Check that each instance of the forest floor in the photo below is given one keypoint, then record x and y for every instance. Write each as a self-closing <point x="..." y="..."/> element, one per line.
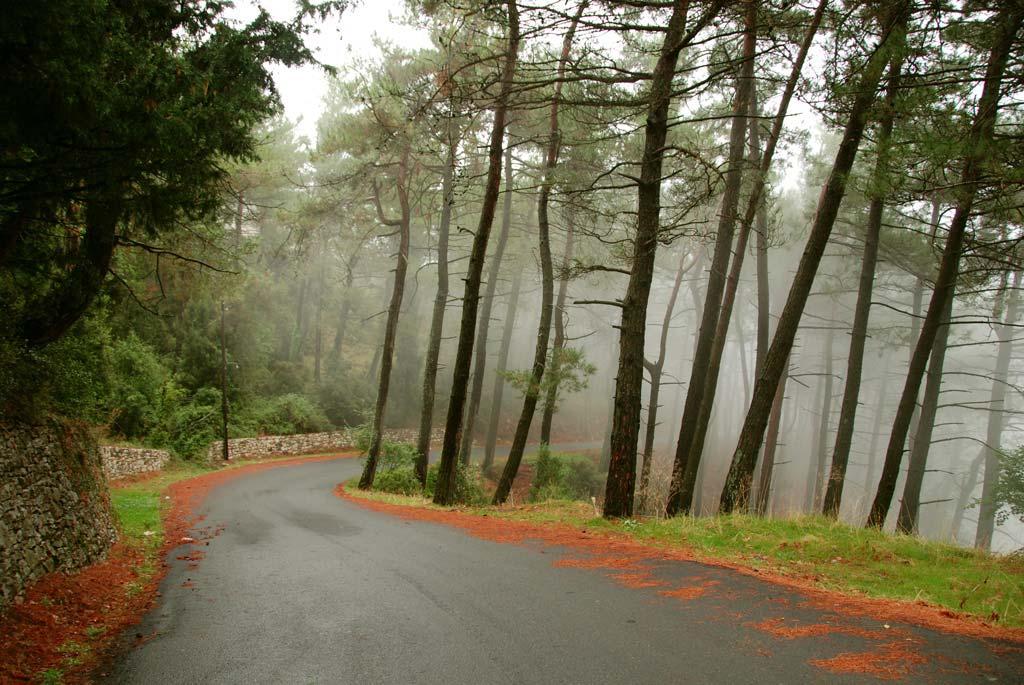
<point x="66" y="624"/>
<point x="889" y="576"/>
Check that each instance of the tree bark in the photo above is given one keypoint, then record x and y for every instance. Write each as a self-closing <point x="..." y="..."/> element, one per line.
<point x="906" y="521"/>
<point x="561" y="315"/>
<point x="497" y="395"/>
<point x="224" y="452"/>
<point x="620" y="484"/>
<point x="391" y="327"/>
<point x="656" y="370"/>
<point x="346" y="307"/>
<point x="484" y="322"/>
<point x="53" y="315"/>
<point x="996" y="420"/>
<point x="1007" y="22"/>
<point x="444" y="492"/>
<point x="736" y="491"/>
<point x="771" y="444"/>
<point x="721" y="293"/>
<point x="700" y="392"/>
<point x="862" y="309"/>
<point x="819" y="459"/>
<point x="437" y="315"/>
<point x="540" y="353"/>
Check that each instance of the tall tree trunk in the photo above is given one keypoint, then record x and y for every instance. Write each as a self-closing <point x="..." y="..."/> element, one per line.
<point x="224" y="451"/>
<point x="906" y="521"/>
<point x="444" y="492"/>
<point x="437" y="315"/>
<point x="317" y="333"/>
<point x="346" y="307"/>
<point x="721" y="293"/>
<point x="540" y="353"/>
<point x="50" y="317"/>
<point x="917" y="304"/>
<point x="819" y="459"/>
<point x="656" y="370"/>
<point x="295" y="341"/>
<point x="484" y="322"/>
<point x="394" y="310"/>
<point x="979" y="147"/>
<point x="700" y="392"/>
<point x="996" y="420"/>
<point x="498" y="393"/>
<point x="862" y="310"/>
<point x="871" y="467"/>
<point x="771" y="444"/>
<point x="763" y="291"/>
<point x="736" y="491"/>
<point x="559" y="342"/>
<point x="621" y="480"/>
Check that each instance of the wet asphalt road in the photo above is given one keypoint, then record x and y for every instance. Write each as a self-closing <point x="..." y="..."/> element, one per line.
<point x="299" y="586"/>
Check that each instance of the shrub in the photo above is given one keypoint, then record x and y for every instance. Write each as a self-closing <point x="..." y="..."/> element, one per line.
<point x="558" y="476"/>
<point x="347" y="399"/>
<point x="138" y="380"/>
<point x="469" y="486"/>
<point x="547" y="476"/>
<point x="401" y="481"/>
<point x="193" y="425"/>
<point x="396" y="455"/>
<point x="284" y="415"/>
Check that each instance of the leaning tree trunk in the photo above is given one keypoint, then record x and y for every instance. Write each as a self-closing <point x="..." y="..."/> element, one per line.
<point x="484" y="323"/>
<point x="717" y="315"/>
<point x="621" y="481"/>
<point x="558" y="344"/>
<point x="979" y="148"/>
<point x="771" y="445"/>
<point x="703" y="374"/>
<point x="910" y="505"/>
<point x="996" y="419"/>
<point x="444" y="492"/>
<point x="391" y="327"/>
<point x="437" y="315"/>
<point x="862" y="310"/>
<point x="532" y="391"/>
<point x="736" y="491"/>
<point x="819" y="460"/>
<point x="974" y="470"/>
<point x="498" y="393"/>
<point x="656" y="369"/>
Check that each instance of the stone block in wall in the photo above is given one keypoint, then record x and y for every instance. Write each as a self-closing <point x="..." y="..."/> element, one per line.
<point x="55" y="510"/>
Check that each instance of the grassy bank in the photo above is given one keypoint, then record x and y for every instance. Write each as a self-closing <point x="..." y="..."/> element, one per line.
<point x="814" y="550"/>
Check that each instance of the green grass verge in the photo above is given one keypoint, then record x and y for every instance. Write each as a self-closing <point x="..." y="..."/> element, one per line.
<point x="139" y="505"/>
<point x="833" y="555"/>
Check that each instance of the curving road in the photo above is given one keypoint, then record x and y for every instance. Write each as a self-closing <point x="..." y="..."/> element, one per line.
<point x="298" y="586"/>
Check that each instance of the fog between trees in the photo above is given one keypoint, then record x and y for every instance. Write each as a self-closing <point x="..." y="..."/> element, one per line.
<point x="627" y="164"/>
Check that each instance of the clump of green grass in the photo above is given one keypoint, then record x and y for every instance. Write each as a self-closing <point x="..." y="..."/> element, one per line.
<point x="138" y="506"/>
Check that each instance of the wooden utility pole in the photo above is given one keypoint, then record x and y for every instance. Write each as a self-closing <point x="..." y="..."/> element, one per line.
<point x="223" y="387"/>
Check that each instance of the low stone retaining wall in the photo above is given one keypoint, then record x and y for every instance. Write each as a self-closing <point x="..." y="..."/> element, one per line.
<point x="119" y="462"/>
<point x="54" y="506"/>
<point x="305" y="443"/>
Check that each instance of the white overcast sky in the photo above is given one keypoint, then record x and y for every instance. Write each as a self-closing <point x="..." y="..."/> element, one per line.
<point x="339" y="40"/>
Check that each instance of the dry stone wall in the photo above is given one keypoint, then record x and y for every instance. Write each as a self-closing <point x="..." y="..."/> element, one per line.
<point x="305" y="443"/>
<point x="55" y="510"/>
<point x="119" y="462"/>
